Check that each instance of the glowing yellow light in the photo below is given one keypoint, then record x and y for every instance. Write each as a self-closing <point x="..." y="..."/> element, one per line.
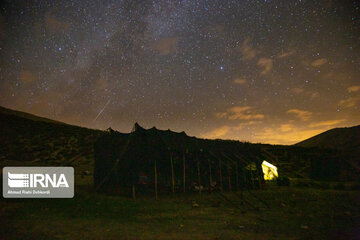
<point x="269" y="170"/>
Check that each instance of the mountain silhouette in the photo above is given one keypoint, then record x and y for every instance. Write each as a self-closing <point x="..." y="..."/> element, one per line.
<point x="347" y="138"/>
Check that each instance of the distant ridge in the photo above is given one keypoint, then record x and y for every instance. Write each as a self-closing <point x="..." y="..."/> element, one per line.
<point x="347" y="138"/>
<point x="25" y="115"/>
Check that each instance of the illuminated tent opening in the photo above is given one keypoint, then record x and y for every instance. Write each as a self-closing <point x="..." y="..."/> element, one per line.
<point x="269" y="170"/>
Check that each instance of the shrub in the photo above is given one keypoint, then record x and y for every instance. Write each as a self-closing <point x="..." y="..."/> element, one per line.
<point x="355" y="186"/>
<point x="339" y="186"/>
<point x="283" y="181"/>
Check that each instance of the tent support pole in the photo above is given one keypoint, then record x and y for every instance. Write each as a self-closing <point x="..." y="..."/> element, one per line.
<point x="237" y="176"/>
<point x="229" y="174"/>
<point x="245" y="179"/>
<point x="155" y="182"/>
<point x="184" y="174"/>
<point x="199" y="177"/>
<point x="172" y="175"/>
<point x="133" y="192"/>
<point x="252" y="177"/>
<point x="259" y="173"/>
<point x="210" y="176"/>
<point x="220" y="175"/>
<point x="244" y="183"/>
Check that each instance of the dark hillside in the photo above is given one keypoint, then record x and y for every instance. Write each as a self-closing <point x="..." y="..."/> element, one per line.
<point x="26" y="139"/>
<point x="337" y="138"/>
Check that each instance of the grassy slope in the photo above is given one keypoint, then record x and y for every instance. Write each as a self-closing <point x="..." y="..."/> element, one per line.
<point x="292" y="214"/>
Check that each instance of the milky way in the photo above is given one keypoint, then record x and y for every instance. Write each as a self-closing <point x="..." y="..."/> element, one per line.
<point x="259" y="71"/>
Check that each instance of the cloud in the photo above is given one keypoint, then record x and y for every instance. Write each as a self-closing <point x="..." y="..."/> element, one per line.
<point x="166" y="46"/>
<point x="27" y="77"/>
<point x="355" y="88"/>
<point x="240" y="81"/>
<point x="327" y="123"/>
<point x="285" y="134"/>
<point x="289" y="133"/>
<point x="54" y="25"/>
<point x="248" y="51"/>
<point x="217" y="132"/>
<point x="286" y="127"/>
<point x="297" y="90"/>
<point x="224" y="131"/>
<point x="319" y="62"/>
<point x="301" y="114"/>
<point x="314" y="95"/>
<point x="216" y="31"/>
<point x="285" y="54"/>
<point x="306" y="93"/>
<point x="266" y="64"/>
<point x="240" y="113"/>
<point x="349" y="102"/>
<point x="335" y="76"/>
<point x="101" y="83"/>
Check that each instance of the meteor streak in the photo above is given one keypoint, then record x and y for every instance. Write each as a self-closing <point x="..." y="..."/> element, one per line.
<point x="101" y="111"/>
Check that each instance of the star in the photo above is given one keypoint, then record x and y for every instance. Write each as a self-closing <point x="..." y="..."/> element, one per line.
<point x="208" y="68"/>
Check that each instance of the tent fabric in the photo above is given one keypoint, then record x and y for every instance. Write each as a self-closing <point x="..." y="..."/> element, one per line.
<point x="121" y="158"/>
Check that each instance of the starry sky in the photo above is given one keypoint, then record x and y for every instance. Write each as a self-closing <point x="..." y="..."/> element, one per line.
<point x="259" y="71"/>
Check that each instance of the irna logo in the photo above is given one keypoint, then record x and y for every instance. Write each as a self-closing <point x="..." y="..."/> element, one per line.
<point x="24" y="180"/>
<point x="38" y="182"/>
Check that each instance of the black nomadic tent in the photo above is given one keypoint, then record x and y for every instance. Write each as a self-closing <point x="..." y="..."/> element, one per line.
<point x="173" y="162"/>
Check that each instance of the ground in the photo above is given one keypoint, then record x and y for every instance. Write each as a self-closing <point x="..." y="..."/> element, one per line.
<point x="286" y="213"/>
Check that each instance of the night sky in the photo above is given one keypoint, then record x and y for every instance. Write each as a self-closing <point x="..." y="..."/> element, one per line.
<point x="259" y="71"/>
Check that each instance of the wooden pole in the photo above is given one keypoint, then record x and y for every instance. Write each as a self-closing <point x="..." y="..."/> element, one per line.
<point x="237" y="175"/>
<point x="133" y="192"/>
<point x="229" y="175"/>
<point x="199" y="177"/>
<point x="210" y="176"/>
<point x="155" y="182"/>
<point x="244" y="182"/>
<point x="251" y="175"/>
<point x="220" y="175"/>
<point x="172" y="174"/>
<point x="245" y="179"/>
<point x="184" y="174"/>
<point x="243" y="172"/>
<point x="259" y="172"/>
<point x="242" y="166"/>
